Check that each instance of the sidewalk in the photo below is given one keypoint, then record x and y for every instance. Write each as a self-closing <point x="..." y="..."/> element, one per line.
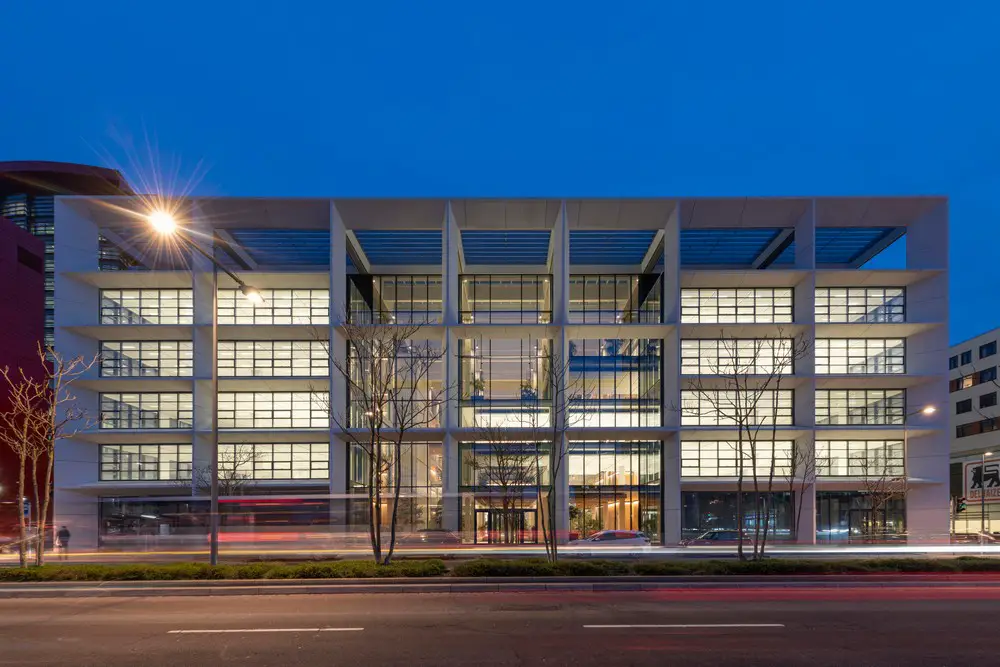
<point x="85" y="589"/>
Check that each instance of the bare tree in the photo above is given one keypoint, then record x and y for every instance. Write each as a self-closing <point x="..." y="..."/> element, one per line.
<point x="882" y="481"/>
<point x="510" y="468"/>
<point x="44" y="411"/>
<point x="743" y="390"/>
<point x="20" y="428"/>
<point x="390" y="376"/>
<point x="563" y="390"/>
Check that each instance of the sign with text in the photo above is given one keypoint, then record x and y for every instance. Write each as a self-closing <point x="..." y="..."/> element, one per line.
<point x="979" y="481"/>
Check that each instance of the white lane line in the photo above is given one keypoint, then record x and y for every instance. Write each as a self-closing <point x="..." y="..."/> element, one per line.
<point x="245" y="630"/>
<point x="689" y="625"/>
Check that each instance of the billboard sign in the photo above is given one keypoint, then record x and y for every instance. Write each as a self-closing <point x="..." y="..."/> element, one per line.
<point x="979" y="481"/>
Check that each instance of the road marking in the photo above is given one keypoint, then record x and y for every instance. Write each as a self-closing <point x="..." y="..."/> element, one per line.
<point x="689" y="625"/>
<point x="243" y="630"/>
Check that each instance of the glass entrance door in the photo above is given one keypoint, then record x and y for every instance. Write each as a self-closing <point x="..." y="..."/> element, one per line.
<point x="500" y="526"/>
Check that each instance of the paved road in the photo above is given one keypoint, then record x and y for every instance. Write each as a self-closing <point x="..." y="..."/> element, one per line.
<point x="911" y="626"/>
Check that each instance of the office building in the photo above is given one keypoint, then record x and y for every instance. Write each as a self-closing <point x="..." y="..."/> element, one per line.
<point x="975" y="432"/>
<point x="27" y="189"/>
<point x="22" y="270"/>
<point x="648" y="300"/>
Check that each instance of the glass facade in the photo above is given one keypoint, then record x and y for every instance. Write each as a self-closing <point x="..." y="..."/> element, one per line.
<point x="615" y="382"/>
<point x="276" y="462"/>
<point x="852" y="356"/>
<point x="614" y="485"/>
<point x="408" y="388"/>
<point x="616" y="298"/>
<point x="753" y="356"/>
<point x="860" y="458"/>
<point x="146" y="358"/>
<point x="277" y="409"/>
<point x="504" y="382"/>
<point x="146" y="410"/>
<point x="394" y="299"/>
<point x="723" y="408"/>
<point x="500" y="489"/>
<point x="145" y="463"/>
<point x="147" y="306"/>
<point x="505" y="299"/>
<point x="420" y="470"/>
<point x="704" y="511"/>
<point x="280" y="306"/>
<point x="860" y="304"/>
<point x="736" y="306"/>
<point x="721" y="458"/>
<point x="273" y="358"/>
<point x="847" y="516"/>
<point x="860" y="407"/>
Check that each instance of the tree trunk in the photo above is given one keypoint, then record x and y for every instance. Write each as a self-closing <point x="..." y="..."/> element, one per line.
<point x="22" y="552"/>
<point x="39" y="517"/>
<point x="47" y="494"/>
<point x="373" y="503"/>
<point x="739" y="500"/>
<point x="397" y="465"/>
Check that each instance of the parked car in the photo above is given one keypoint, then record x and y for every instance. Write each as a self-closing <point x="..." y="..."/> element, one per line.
<point x="614" y="538"/>
<point x="718" y="538"/>
<point x="973" y="538"/>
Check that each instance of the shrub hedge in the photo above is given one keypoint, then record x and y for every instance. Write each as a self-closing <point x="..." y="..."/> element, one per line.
<point x="484" y="567"/>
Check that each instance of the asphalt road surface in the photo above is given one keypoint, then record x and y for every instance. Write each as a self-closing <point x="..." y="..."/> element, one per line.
<point x="815" y="627"/>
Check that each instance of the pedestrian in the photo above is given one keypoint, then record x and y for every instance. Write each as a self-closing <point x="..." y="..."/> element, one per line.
<point x="63" y="542"/>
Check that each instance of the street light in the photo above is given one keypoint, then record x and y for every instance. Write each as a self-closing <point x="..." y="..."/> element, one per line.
<point x="166" y="224"/>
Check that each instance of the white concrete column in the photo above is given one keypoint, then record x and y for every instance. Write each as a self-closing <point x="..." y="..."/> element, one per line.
<point x="560" y="268"/>
<point x="927" y="240"/>
<point x="76" y="461"/>
<point x="672" y="267"/>
<point x="451" y="267"/>
<point x="806" y="497"/>
<point x="672" y="512"/>
<point x="205" y="336"/>
<point x="561" y="412"/>
<point x="337" y="347"/>
<point x="805" y="239"/>
<point x="451" y="509"/>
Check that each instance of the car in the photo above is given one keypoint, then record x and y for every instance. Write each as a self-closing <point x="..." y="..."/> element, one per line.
<point x="973" y="538"/>
<point x="614" y="538"/>
<point x="717" y="538"/>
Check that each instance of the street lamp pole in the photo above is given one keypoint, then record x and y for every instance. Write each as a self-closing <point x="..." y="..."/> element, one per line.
<point x="165" y="224"/>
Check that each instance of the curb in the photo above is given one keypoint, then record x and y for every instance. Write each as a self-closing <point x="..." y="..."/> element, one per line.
<point x="119" y="589"/>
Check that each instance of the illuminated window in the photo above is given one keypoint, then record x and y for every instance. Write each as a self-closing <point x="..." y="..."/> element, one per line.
<point x="280" y="306"/>
<point x="277" y="358"/>
<point x="146" y="358"/>
<point x="753" y="356"/>
<point x="733" y="306"/>
<point x="282" y="461"/>
<point x="279" y="409"/>
<point x="146" y="306"/>
<point x="146" y="411"/>
<point x="134" y="463"/>
<point x="876" y="407"/>
<point x="616" y="299"/>
<point x="860" y="356"/>
<point x="711" y="458"/>
<point x="860" y="304"/>
<point x="729" y="408"/>
<point x="871" y="459"/>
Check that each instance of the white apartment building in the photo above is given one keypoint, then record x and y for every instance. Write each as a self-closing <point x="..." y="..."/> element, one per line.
<point x="647" y="299"/>
<point x="975" y="431"/>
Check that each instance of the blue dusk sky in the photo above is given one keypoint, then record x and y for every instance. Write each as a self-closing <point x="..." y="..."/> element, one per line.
<point x="526" y="99"/>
